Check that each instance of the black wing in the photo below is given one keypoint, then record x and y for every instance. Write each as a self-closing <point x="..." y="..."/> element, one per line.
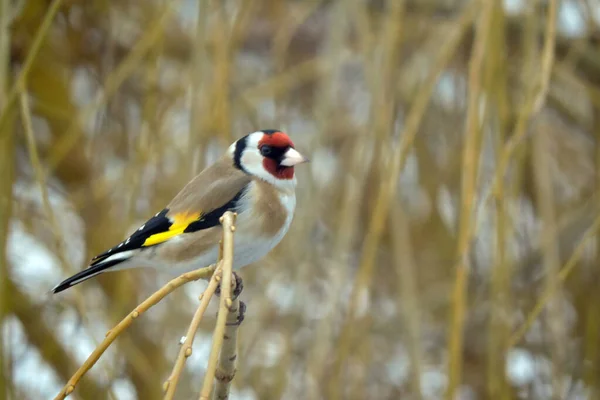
<point x="160" y="225"/>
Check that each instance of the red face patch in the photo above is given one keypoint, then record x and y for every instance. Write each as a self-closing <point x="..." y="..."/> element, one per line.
<point x="278" y="172"/>
<point x="277" y="139"/>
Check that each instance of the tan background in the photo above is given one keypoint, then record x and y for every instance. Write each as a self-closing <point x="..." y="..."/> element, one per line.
<point x="445" y="236"/>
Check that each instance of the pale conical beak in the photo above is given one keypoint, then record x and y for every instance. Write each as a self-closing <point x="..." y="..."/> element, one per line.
<point x="292" y="157"/>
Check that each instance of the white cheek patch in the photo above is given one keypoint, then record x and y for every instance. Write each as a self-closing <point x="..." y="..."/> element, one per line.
<point x="252" y="162"/>
<point x="252" y="159"/>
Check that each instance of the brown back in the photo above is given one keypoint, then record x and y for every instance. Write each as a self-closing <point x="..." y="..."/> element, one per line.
<point x="211" y="189"/>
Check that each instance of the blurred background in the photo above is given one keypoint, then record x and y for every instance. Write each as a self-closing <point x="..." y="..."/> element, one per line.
<point x="445" y="241"/>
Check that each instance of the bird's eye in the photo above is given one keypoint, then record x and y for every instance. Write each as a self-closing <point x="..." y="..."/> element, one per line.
<point x="266" y="150"/>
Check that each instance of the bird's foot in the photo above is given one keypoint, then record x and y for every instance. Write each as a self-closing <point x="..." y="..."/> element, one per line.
<point x="239" y="286"/>
<point x="240" y="316"/>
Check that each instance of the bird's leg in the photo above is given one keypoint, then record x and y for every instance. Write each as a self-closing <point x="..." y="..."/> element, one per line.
<point x="240" y="316"/>
<point x="239" y="286"/>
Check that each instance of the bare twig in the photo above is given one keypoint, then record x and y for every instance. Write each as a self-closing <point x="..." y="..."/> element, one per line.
<point x="112" y="83"/>
<point x="232" y="311"/>
<point x="550" y="255"/>
<point x="325" y="107"/>
<point x="293" y="77"/>
<point x="380" y="74"/>
<point x="536" y="97"/>
<point x="40" y="36"/>
<point x="501" y="273"/>
<point x="413" y="122"/>
<point x="533" y="104"/>
<point x="41" y="181"/>
<point x="198" y="71"/>
<point x="186" y="347"/>
<point x="470" y="162"/>
<point x="547" y="58"/>
<point x="128" y="320"/>
<point x="225" y="305"/>
<point x="560" y="277"/>
<point x="6" y="172"/>
<point x="5" y="10"/>
<point x="408" y="284"/>
<point x="43" y="336"/>
<point x="227" y="362"/>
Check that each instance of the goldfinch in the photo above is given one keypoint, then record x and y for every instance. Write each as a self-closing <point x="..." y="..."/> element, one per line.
<point x="254" y="178"/>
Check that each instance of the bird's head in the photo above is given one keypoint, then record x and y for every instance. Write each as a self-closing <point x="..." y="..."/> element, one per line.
<point x="267" y="154"/>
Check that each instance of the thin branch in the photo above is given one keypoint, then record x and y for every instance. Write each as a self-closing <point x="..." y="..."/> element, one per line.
<point x="333" y="45"/>
<point x="561" y="277"/>
<point x="327" y="92"/>
<point x="531" y="106"/>
<point x="533" y="103"/>
<point x="413" y="122"/>
<point x="186" y="347"/>
<point x="6" y="172"/>
<point x="293" y="77"/>
<point x="380" y="74"/>
<point x="221" y="74"/>
<point x="547" y="58"/>
<point x="38" y="41"/>
<point x="546" y="204"/>
<point x="228" y="361"/>
<point x="198" y="72"/>
<point x="408" y="285"/>
<point x="501" y="270"/>
<point x="40" y="178"/>
<point x="470" y="167"/>
<point x="41" y="181"/>
<point x="43" y="337"/>
<point x="503" y="265"/>
<point x="128" y="320"/>
<point x="112" y="84"/>
<point x="225" y="305"/>
<point x="5" y="35"/>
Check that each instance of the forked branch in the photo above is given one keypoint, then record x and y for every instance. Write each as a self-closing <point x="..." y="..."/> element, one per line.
<point x="124" y="324"/>
<point x="228" y="360"/>
<point x="186" y="347"/>
<point x="225" y="305"/>
<point x="225" y="334"/>
<point x="225" y="318"/>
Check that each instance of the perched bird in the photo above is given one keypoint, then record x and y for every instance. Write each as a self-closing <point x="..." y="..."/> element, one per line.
<point x="254" y="178"/>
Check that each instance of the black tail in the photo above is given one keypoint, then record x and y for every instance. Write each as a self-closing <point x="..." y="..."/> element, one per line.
<point x="86" y="274"/>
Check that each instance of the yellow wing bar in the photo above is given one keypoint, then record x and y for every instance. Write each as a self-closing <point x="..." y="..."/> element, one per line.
<point x="178" y="225"/>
